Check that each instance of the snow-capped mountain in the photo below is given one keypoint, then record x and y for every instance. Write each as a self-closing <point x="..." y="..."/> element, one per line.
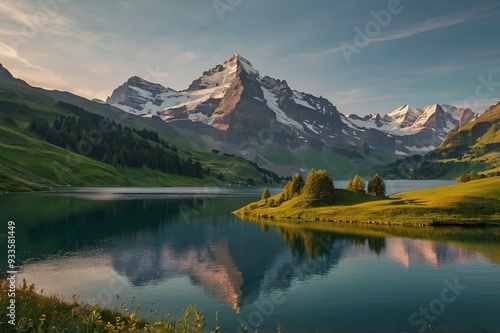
<point x="213" y="97"/>
<point x="139" y="96"/>
<point x="408" y="120"/>
<point x="235" y="109"/>
<point x="403" y="116"/>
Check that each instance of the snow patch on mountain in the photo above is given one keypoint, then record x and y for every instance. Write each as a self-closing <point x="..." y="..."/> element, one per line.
<point x="403" y="116"/>
<point x="311" y="127"/>
<point x="387" y="127"/>
<point x="247" y="66"/>
<point x="298" y="98"/>
<point x="281" y="117"/>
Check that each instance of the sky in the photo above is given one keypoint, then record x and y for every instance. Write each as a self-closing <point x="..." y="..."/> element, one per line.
<point x="365" y="56"/>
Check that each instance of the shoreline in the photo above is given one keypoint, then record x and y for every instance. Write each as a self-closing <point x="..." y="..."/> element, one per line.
<point x="445" y="223"/>
<point x="472" y="204"/>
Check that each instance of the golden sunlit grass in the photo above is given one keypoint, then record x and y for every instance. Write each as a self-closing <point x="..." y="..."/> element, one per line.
<point x="39" y="313"/>
<point x="473" y="202"/>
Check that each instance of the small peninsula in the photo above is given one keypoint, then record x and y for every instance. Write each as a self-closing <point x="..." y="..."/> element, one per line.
<point x="474" y="203"/>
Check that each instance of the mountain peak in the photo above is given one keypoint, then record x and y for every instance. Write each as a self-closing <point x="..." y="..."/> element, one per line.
<point x="239" y="57"/>
<point x="156" y="88"/>
<point x="247" y="65"/>
<point x="403" y="116"/>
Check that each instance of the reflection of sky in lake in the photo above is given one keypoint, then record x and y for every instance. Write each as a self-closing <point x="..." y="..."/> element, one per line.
<point x="145" y="251"/>
<point x="135" y="263"/>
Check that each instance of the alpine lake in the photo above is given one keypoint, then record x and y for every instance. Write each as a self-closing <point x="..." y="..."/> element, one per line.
<point x="166" y="248"/>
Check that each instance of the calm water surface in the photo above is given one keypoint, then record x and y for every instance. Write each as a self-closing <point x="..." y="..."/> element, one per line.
<point x="167" y="248"/>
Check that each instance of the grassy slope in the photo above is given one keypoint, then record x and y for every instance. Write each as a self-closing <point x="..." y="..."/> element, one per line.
<point x="26" y="162"/>
<point x="486" y="163"/>
<point x="476" y="201"/>
<point x="29" y="163"/>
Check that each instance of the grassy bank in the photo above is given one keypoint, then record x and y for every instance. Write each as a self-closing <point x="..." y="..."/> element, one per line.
<point x="476" y="202"/>
<point x="36" y="312"/>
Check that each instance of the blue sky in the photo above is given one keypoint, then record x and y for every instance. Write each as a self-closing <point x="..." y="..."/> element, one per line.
<point x="439" y="51"/>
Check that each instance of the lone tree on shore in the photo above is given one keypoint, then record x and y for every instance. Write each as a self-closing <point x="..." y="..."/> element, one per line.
<point x="266" y="194"/>
<point x="376" y="186"/>
<point x="319" y="187"/>
<point x="356" y="184"/>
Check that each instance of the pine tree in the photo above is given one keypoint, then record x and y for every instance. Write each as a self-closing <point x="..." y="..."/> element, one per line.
<point x="294" y="187"/>
<point x="376" y="186"/>
<point x="356" y="184"/>
<point x="359" y="184"/>
<point x="319" y="187"/>
<point x="266" y="194"/>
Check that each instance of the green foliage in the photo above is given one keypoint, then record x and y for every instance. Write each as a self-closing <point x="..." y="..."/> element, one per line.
<point x="350" y="185"/>
<point x="319" y="187"/>
<point x="294" y="187"/>
<point x="464" y="178"/>
<point x="266" y="194"/>
<point x="356" y="184"/>
<point x="98" y="138"/>
<point x="376" y="186"/>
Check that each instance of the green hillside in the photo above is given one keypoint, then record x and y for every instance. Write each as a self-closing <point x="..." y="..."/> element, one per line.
<point x="29" y="162"/>
<point x="482" y="132"/>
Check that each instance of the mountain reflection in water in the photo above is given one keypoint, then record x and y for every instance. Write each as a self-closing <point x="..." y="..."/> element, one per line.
<point x="311" y="253"/>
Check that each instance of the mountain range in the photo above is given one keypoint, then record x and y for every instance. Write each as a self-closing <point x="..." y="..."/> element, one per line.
<point x="232" y="115"/>
<point x="473" y="146"/>
<point x="236" y="110"/>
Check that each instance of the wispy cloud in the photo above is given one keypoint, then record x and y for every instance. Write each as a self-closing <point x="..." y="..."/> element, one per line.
<point x="11" y="53"/>
<point x="11" y="11"/>
<point x="441" y="22"/>
<point x="428" y="25"/>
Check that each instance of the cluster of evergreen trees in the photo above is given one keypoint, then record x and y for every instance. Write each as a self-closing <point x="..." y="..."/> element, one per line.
<point x="97" y="137"/>
<point x="317" y="188"/>
<point x="376" y="185"/>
